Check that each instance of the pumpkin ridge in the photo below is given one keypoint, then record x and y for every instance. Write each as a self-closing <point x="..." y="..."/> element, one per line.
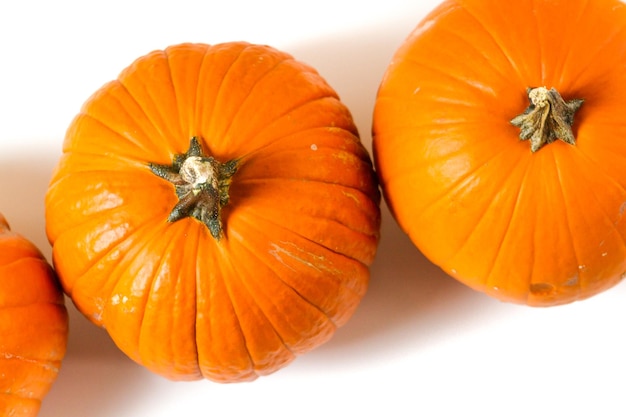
<point x="249" y="93"/>
<point x="129" y="139"/>
<point x="86" y="274"/>
<point x="237" y="309"/>
<point x="92" y="217"/>
<point x="222" y="266"/>
<point x="491" y="203"/>
<point x="598" y="50"/>
<point x="155" y="123"/>
<point x="478" y="51"/>
<point x="473" y="84"/>
<point x="461" y="180"/>
<point x="175" y="93"/>
<point x="597" y="169"/>
<point x="147" y="334"/>
<point x="496" y="41"/>
<point x="371" y="234"/>
<point x="566" y="213"/>
<point x="220" y="90"/>
<point x="276" y="140"/>
<point x="302" y="180"/>
<point x="489" y="277"/>
<point x="330" y="250"/>
<point x="145" y="291"/>
<point x="253" y="296"/>
<point x="133" y="163"/>
<point x="279" y="278"/>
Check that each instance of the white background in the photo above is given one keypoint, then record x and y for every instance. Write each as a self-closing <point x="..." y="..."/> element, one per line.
<point x="420" y="343"/>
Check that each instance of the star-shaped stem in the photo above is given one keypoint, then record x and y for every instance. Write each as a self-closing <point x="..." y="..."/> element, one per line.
<point x="547" y="118"/>
<point x="201" y="184"/>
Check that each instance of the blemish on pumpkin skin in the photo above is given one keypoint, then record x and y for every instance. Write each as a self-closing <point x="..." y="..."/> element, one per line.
<point x="541" y="288"/>
<point x="320" y="261"/>
<point x="572" y="281"/>
<point x="622" y="210"/>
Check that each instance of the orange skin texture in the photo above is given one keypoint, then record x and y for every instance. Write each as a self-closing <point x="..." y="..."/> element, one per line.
<point x="33" y="325"/>
<point x="542" y="228"/>
<point x="300" y="229"/>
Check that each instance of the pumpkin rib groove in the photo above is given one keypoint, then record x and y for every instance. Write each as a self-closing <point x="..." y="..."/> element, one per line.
<point x="259" y="305"/>
<point x="279" y="225"/>
<point x="600" y="167"/>
<point x="540" y="45"/>
<point x="459" y="181"/>
<point x="220" y="90"/>
<point x="102" y="123"/>
<point x="156" y="124"/>
<point x="317" y="244"/>
<point x="255" y="255"/>
<point x="281" y="280"/>
<point x="152" y="298"/>
<point x="278" y="141"/>
<point x="607" y="217"/>
<point x="445" y="74"/>
<point x="570" y="52"/>
<point x="126" y="262"/>
<point x="220" y="275"/>
<point x="301" y="180"/>
<point x="106" y="213"/>
<point x="487" y="60"/>
<point x="130" y="139"/>
<point x="249" y="93"/>
<point x="205" y="103"/>
<point x="86" y="274"/>
<point x="490" y="278"/>
<point x="175" y="93"/>
<point x="132" y="162"/>
<point x="571" y="239"/>
<point x="228" y="284"/>
<point x="599" y="49"/>
<point x="341" y="186"/>
<point x="515" y="69"/>
<point x="503" y="179"/>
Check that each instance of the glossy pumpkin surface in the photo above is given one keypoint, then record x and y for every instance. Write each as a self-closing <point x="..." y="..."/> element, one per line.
<point x="33" y="325"/>
<point x="500" y="141"/>
<point x="215" y="211"/>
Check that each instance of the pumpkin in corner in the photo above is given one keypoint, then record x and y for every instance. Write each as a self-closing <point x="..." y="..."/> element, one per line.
<point x="500" y="141"/>
<point x="33" y="325"/>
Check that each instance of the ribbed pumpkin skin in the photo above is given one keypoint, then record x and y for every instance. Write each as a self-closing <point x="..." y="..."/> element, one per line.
<point x="540" y="228"/>
<point x="33" y="325"/>
<point x="301" y="226"/>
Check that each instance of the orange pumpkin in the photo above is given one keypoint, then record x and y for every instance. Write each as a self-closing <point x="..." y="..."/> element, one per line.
<point x="215" y="211"/>
<point x="500" y="143"/>
<point x="33" y="325"/>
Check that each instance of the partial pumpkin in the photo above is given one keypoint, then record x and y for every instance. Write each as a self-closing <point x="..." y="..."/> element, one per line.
<point x="215" y="211"/>
<point x="500" y="143"/>
<point x="33" y="325"/>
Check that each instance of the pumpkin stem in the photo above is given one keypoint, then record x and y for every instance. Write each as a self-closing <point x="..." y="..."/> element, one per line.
<point x="547" y="118"/>
<point x="201" y="184"/>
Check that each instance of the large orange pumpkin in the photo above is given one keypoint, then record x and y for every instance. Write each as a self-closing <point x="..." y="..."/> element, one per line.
<point x="500" y="141"/>
<point x="33" y="325"/>
<point x="215" y="211"/>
